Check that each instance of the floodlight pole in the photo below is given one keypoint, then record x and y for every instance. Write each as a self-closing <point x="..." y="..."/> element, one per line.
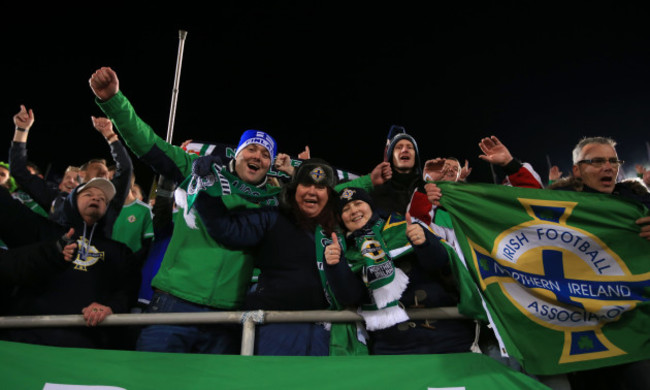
<point x="182" y="34"/>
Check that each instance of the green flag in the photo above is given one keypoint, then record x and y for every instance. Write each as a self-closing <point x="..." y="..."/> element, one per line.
<point x="565" y="275"/>
<point x="25" y="366"/>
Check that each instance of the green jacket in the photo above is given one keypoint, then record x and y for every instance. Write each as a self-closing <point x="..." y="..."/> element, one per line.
<point x="195" y="267"/>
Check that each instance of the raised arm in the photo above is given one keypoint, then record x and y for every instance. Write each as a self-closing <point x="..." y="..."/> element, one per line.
<point x="123" y="163"/>
<point x="35" y="186"/>
<point x="519" y="174"/>
<point x="123" y="172"/>
<point x="23" y="121"/>
<point x="165" y="159"/>
<point x="494" y="151"/>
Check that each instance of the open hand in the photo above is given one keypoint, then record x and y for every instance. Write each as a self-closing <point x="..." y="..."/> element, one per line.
<point x="494" y="151"/>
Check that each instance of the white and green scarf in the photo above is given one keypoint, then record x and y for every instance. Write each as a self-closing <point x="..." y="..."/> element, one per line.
<point x="376" y="245"/>
<point x="221" y="183"/>
<point x="345" y="338"/>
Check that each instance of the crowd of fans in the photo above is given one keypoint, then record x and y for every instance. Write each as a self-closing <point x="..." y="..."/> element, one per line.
<point x="221" y="234"/>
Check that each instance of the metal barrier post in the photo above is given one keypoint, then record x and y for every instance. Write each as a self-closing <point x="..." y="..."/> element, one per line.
<point x="248" y="320"/>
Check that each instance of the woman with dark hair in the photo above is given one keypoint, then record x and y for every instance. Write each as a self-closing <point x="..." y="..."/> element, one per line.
<point x="289" y="242"/>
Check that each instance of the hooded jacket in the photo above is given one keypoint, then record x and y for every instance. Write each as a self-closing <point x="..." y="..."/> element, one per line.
<point x="101" y="272"/>
<point x="395" y="194"/>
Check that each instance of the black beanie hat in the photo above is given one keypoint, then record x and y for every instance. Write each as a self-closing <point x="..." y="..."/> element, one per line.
<point x="348" y="194"/>
<point x="417" y="168"/>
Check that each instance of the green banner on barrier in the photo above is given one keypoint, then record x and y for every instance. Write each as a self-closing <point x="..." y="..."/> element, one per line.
<point x="33" y="367"/>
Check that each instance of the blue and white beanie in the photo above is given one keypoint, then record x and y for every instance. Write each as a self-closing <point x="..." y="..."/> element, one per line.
<point x="257" y="137"/>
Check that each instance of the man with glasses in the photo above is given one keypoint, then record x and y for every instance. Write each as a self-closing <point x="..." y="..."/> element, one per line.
<point x="596" y="164"/>
<point x="595" y="169"/>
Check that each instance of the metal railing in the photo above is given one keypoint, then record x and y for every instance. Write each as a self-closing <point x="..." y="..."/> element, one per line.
<point x="248" y="319"/>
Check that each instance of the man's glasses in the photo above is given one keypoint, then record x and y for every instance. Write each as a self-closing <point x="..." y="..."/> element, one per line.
<point x="600" y="161"/>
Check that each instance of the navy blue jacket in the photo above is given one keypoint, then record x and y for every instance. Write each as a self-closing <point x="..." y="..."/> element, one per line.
<point x="285" y="254"/>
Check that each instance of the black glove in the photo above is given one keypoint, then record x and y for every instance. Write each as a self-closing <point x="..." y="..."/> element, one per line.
<point x="202" y="166"/>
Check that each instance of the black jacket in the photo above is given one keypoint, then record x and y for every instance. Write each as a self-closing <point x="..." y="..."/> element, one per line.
<point x="102" y="272"/>
<point x="627" y="189"/>
<point x="395" y="195"/>
<point x="286" y="255"/>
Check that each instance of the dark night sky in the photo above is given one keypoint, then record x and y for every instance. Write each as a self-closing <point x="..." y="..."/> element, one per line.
<point x="538" y="75"/>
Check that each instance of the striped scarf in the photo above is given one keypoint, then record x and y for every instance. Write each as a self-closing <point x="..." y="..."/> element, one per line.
<point x="375" y="247"/>
<point x="221" y="183"/>
<point x="345" y="338"/>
